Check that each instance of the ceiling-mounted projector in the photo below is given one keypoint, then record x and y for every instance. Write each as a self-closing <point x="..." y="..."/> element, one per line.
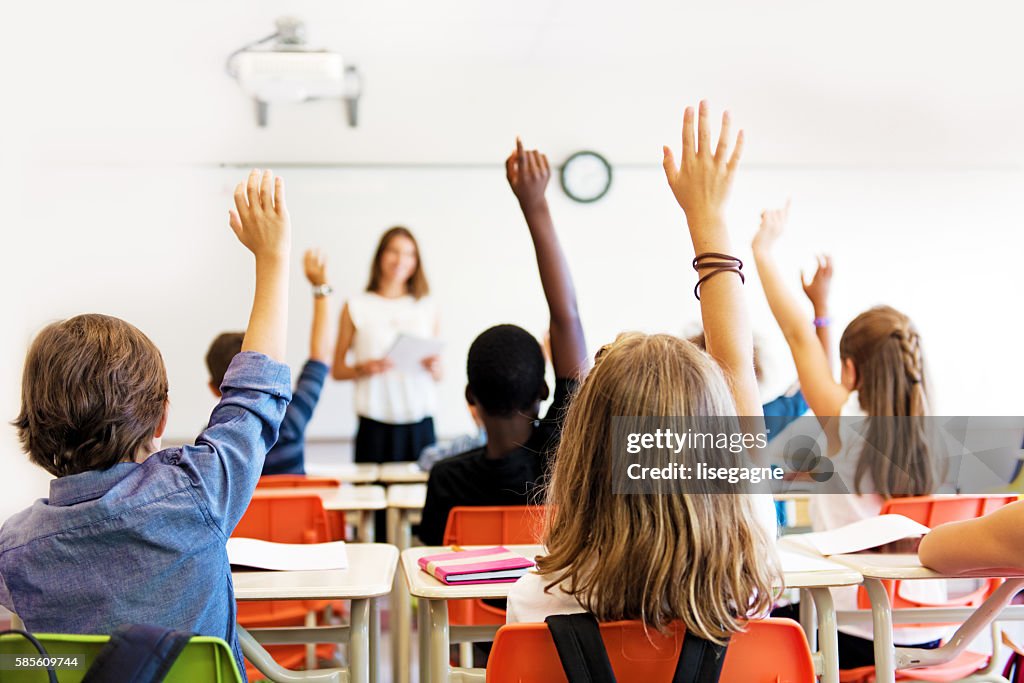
<point x="290" y="72"/>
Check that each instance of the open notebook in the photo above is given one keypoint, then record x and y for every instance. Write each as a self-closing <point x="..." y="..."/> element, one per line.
<point x="858" y="536"/>
<point x="486" y="565"/>
<point x="252" y="552"/>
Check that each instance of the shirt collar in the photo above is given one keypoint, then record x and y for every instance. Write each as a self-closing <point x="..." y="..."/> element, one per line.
<point x="78" y="488"/>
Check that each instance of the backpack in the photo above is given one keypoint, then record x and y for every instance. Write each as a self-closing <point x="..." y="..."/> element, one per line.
<point x="585" y="660"/>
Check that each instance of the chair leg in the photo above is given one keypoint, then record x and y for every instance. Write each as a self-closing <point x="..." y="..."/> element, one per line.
<point x="466" y="655"/>
<point x="310" y="647"/>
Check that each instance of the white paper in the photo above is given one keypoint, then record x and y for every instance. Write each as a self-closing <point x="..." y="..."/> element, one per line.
<point x="408" y="352"/>
<point x="863" y="535"/>
<point x="252" y="552"/>
<point x="801" y="562"/>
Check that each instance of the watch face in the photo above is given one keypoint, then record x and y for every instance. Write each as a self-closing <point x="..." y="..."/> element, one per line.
<point x="586" y="176"/>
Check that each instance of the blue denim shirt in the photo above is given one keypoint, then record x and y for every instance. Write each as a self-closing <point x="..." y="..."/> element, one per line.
<point x="144" y="542"/>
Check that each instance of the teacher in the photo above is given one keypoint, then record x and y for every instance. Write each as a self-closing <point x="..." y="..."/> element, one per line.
<point x="395" y="407"/>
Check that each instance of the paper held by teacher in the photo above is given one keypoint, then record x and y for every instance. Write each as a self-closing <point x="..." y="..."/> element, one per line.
<point x="408" y="352"/>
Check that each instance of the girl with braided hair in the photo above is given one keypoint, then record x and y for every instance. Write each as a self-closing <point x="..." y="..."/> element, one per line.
<point x="872" y="418"/>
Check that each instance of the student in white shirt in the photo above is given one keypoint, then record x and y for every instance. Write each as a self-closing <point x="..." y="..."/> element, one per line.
<point x="882" y="376"/>
<point x="700" y="557"/>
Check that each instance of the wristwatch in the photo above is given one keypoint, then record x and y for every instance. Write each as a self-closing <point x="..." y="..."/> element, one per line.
<point x="322" y="290"/>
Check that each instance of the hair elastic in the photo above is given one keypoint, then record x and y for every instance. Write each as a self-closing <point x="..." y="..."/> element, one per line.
<point x="696" y="287"/>
<point x="729" y="264"/>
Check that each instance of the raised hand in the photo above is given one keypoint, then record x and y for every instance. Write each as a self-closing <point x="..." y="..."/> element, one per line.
<point x="315" y="264"/>
<point x="773" y="221"/>
<point x="528" y="173"/>
<point x="703" y="177"/>
<point x="260" y="219"/>
<point x="817" y="289"/>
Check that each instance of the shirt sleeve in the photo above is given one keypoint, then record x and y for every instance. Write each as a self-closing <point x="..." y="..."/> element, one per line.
<point x="227" y="458"/>
<point x="564" y="389"/>
<point x="303" y="403"/>
<point x="435" y="509"/>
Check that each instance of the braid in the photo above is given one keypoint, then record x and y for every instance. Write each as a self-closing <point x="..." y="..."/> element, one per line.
<point x="910" y="347"/>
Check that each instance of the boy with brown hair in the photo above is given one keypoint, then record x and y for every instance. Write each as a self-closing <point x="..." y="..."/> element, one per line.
<point x="131" y="533"/>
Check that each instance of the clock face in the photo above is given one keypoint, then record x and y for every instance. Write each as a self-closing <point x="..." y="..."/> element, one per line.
<point x="586" y="176"/>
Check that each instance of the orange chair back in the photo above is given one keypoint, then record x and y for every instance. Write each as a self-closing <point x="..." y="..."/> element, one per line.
<point x="490" y="525"/>
<point x="933" y="511"/>
<point x="281" y="481"/>
<point x="287" y="519"/>
<point x="494" y="525"/>
<point x="769" y="651"/>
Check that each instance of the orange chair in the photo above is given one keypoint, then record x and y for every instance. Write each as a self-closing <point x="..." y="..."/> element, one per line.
<point x="489" y="525"/>
<point x="298" y="518"/>
<point x="933" y="511"/>
<point x="280" y="481"/>
<point x="769" y="651"/>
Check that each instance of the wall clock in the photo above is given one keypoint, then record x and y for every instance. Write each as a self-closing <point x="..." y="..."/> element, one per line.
<point x="586" y="176"/>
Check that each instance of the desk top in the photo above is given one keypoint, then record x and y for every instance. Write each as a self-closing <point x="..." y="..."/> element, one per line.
<point x="345" y="497"/>
<point x="401" y="473"/>
<point x="422" y="584"/>
<point x="347" y="472"/>
<point x="903" y="566"/>
<point x="370" y="574"/>
<point x="407" y="496"/>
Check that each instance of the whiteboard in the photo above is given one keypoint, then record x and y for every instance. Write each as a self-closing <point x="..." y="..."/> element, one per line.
<point x="152" y="245"/>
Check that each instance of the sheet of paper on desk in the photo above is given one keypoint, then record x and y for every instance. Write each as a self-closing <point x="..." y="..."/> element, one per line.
<point x="793" y="561"/>
<point x="252" y="552"/>
<point x="408" y="352"/>
<point x="862" y="535"/>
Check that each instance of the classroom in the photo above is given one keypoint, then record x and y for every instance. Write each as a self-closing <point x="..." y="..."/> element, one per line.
<point x="357" y="342"/>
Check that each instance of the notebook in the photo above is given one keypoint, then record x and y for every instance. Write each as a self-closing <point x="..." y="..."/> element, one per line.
<point x="485" y="565"/>
<point x="252" y="552"/>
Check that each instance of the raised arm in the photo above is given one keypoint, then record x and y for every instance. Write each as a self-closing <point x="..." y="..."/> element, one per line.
<point x="261" y="223"/>
<point x="817" y="292"/>
<point x="994" y="541"/>
<point x="824" y="395"/>
<point x="528" y="173"/>
<point x="315" y="264"/>
<point x="701" y="182"/>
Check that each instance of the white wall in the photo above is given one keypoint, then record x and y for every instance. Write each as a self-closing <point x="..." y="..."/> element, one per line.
<point x="899" y="146"/>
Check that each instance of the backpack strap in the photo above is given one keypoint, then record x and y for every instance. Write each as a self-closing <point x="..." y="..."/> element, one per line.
<point x="580" y="648"/>
<point x="137" y="653"/>
<point x="50" y="673"/>
<point x="700" y="660"/>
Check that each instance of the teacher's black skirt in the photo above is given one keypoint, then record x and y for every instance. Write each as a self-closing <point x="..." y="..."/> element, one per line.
<point x="382" y="442"/>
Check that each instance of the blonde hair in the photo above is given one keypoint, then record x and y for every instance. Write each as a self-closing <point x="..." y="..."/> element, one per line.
<point x="702" y="558"/>
<point x="885" y="349"/>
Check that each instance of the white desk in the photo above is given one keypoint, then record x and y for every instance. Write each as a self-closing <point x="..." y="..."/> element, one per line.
<point x="875" y="568"/>
<point x="370" y="575"/>
<point x="402" y="473"/>
<point x="404" y="500"/>
<point x="435" y="633"/>
<point x="363" y="500"/>
<point x="347" y="472"/>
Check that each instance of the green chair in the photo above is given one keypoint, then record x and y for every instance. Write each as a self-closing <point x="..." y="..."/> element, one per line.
<point x="204" y="659"/>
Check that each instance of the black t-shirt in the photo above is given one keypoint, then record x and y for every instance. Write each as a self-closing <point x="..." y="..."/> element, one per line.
<point x="472" y="478"/>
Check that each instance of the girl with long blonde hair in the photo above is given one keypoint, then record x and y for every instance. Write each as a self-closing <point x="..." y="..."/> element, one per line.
<point x="701" y="557"/>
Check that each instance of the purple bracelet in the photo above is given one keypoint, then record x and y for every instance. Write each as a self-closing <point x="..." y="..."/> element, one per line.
<point x="822" y="322"/>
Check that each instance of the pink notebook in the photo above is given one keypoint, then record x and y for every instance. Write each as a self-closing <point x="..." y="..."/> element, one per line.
<point x="487" y="565"/>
